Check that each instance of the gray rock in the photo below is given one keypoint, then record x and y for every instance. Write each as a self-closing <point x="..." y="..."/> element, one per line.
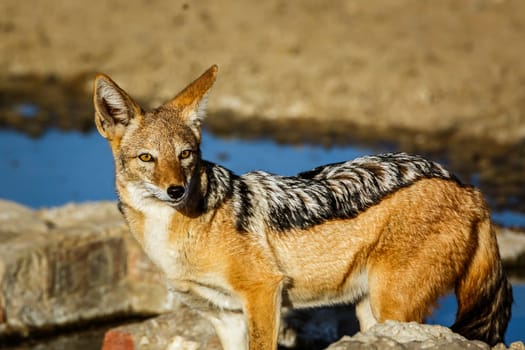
<point x="82" y="215"/>
<point x="407" y="336"/>
<point x="72" y="264"/>
<point x="183" y="329"/>
<point x="16" y="219"/>
<point x="60" y="277"/>
<point x="517" y="345"/>
<point x="512" y="247"/>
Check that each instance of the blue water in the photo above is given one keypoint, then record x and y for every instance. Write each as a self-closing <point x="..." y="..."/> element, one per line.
<point x="72" y="167"/>
<point x="55" y="169"/>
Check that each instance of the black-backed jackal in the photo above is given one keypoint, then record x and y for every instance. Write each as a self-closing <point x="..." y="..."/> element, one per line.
<point x="390" y="233"/>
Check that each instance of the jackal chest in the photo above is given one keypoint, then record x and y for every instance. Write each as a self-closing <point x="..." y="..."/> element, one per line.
<point x="163" y="251"/>
<point x="169" y="248"/>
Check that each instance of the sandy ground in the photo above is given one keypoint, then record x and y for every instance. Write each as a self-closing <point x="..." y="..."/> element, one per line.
<point x="442" y="67"/>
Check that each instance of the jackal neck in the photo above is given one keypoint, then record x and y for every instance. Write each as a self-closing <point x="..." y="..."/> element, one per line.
<point x="216" y="185"/>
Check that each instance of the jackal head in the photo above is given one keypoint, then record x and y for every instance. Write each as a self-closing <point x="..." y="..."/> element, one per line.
<point x="157" y="153"/>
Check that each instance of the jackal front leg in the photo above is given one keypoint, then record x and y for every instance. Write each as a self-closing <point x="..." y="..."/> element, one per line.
<point x="231" y="329"/>
<point x="262" y="307"/>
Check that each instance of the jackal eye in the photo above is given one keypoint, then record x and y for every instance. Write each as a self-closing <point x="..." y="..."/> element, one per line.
<point x="185" y="154"/>
<point x="146" y="157"/>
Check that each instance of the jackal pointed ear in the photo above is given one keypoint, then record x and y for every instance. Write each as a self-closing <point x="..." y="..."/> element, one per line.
<point x="191" y="102"/>
<point x="114" y="108"/>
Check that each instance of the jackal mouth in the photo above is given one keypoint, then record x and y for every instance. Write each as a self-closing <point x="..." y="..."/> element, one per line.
<point x="176" y="202"/>
<point x="172" y="202"/>
<point x="154" y="192"/>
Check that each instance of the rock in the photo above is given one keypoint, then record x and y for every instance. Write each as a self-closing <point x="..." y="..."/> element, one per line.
<point x="70" y="265"/>
<point x="183" y="329"/>
<point x="148" y="290"/>
<point x="517" y="345"/>
<point x="512" y="247"/>
<point x="82" y="215"/>
<point x="61" y="277"/>
<point x="15" y="219"/>
<point x="300" y="329"/>
<point x="407" y="336"/>
<point x="186" y="329"/>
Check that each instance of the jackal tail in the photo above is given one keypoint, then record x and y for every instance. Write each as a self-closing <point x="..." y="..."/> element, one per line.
<point x="484" y="294"/>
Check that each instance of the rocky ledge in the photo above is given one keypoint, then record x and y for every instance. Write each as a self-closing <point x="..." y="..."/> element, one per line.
<point x="412" y="336"/>
<point x="71" y="265"/>
<point x="78" y="264"/>
<point x="172" y="332"/>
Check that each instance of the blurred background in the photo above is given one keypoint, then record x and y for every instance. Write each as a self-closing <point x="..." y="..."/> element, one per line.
<point x="301" y="83"/>
<point x="445" y="78"/>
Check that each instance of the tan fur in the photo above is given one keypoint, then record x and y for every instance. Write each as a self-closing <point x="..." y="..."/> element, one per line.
<point x="421" y="235"/>
<point x="384" y="241"/>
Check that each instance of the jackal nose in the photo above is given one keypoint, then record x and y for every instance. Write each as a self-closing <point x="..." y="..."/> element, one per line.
<point x="175" y="192"/>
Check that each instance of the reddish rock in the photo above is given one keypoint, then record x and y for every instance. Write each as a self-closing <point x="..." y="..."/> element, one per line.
<point x="118" y="340"/>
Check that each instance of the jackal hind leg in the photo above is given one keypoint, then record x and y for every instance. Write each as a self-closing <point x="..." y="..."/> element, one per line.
<point x="403" y="294"/>
<point x="364" y="314"/>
